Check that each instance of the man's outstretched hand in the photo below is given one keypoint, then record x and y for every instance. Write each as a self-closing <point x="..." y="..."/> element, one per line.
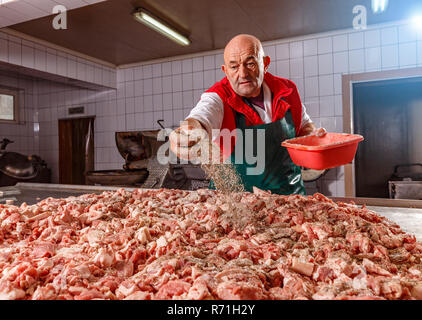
<point x="185" y="139"/>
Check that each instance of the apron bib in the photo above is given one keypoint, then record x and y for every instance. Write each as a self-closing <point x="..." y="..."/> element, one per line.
<point x="280" y="175"/>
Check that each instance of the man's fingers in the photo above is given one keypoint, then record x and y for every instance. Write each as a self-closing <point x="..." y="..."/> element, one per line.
<point x="187" y="136"/>
<point x="186" y="142"/>
<point x="204" y="153"/>
<point x="184" y="153"/>
<point x="321" y="132"/>
<point x="179" y="139"/>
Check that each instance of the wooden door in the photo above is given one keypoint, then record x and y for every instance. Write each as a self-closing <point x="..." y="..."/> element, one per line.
<point x="76" y="149"/>
<point x="381" y="115"/>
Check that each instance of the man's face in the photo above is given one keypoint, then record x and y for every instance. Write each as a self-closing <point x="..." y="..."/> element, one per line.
<point x="244" y="69"/>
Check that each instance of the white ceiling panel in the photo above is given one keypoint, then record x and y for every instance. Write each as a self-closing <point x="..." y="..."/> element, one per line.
<point x="18" y="11"/>
<point x="44" y="5"/>
<point x="25" y="9"/>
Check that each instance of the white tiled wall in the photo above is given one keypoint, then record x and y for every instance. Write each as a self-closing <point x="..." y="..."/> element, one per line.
<point x="164" y="91"/>
<point x="55" y="62"/>
<point x="54" y="100"/>
<point x="23" y="134"/>
<point x="169" y="89"/>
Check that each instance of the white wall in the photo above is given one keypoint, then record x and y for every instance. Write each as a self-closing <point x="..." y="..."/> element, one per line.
<point x="23" y="135"/>
<point x="415" y="132"/>
<point x="54" y="99"/>
<point x="53" y="61"/>
<point x="168" y="89"/>
<point x="45" y="100"/>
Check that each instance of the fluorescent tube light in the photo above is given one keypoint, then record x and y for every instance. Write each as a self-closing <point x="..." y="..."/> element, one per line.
<point x="417" y="22"/>
<point x="5" y="1"/>
<point x="379" y="6"/>
<point x="160" y="27"/>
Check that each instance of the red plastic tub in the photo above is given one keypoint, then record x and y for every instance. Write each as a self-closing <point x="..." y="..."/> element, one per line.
<point x="331" y="150"/>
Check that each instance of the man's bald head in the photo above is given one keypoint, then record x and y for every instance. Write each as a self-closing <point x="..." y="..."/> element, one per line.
<point x="245" y="64"/>
<point x="243" y="41"/>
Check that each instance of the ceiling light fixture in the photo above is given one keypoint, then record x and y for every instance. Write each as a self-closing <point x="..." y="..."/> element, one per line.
<point x="154" y="23"/>
<point x="5" y="1"/>
<point x="417" y="22"/>
<point x="379" y="6"/>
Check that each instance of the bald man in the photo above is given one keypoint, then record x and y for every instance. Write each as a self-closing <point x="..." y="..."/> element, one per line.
<point x="259" y="110"/>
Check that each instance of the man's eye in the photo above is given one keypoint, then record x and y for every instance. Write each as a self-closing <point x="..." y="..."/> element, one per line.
<point x="251" y="65"/>
<point x="233" y="67"/>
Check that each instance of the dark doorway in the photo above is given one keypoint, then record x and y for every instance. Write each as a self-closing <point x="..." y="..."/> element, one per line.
<point x="384" y="113"/>
<point x="76" y="149"/>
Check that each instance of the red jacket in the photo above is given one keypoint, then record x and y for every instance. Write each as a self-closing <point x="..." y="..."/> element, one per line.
<point x="280" y="88"/>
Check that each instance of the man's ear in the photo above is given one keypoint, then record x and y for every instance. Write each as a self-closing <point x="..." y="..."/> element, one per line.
<point x="223" y="68"/>
<point x="267" y="61"/>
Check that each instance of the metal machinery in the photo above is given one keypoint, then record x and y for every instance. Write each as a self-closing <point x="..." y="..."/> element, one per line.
<point x="16" y="167"/>
<point x="142" y="168"/>
<point x="406" y="182"/>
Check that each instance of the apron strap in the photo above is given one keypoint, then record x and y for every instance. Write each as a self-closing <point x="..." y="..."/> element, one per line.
<point x="250" y="105"/>
<point x="241" y="116"/>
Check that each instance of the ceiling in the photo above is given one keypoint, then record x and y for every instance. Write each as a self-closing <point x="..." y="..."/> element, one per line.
<point x="108" y="32"/>
<point x="17" y="11"/>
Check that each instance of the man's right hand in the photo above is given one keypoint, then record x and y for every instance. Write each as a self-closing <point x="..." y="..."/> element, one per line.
<point x="185" y="139"/>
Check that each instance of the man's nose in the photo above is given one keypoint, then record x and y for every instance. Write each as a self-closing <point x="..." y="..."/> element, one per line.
<point x="243" y="71"/>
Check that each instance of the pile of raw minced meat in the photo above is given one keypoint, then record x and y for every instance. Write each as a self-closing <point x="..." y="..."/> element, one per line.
<point x="173" y="244"/>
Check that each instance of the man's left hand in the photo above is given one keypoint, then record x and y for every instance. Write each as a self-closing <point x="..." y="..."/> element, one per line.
<point x="319" y="132"/>
<point x="309" y="129"/>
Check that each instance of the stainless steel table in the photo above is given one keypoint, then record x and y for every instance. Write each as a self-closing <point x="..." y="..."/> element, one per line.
<point x="409" y="219"/>
<point x="32" y="193"/>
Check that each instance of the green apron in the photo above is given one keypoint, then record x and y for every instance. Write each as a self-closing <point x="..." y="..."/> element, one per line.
<point x="281" y="175"/>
